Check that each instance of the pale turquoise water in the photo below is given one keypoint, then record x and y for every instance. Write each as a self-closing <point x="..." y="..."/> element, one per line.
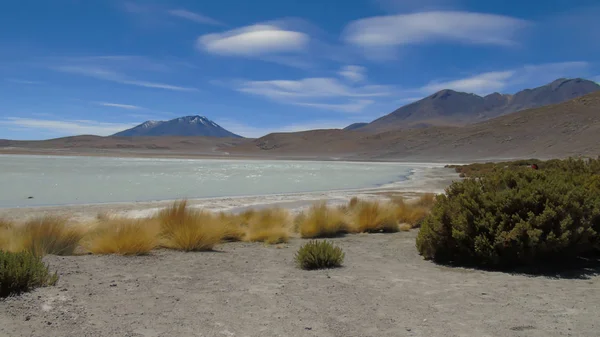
<point x="78" y="180"/>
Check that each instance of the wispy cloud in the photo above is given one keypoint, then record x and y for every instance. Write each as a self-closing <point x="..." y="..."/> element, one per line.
<point x="66" y="127"/>
<point x="481" y="83"/>
<point x="383" y="33"/>
<point x="102" y="73"/>
<point x="253" y="40"/>
<point x="121" y="106"/>
<point x="196" y="17"/>
<point x="310" y="87"/>
<point x="321" y="92"/>
<point x="20" y="81"/>
<point x="353" y="106"/>
<point x="353" y="73"/>
<point x="525" y="76"/>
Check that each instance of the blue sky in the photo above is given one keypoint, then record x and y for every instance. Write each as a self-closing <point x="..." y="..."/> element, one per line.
<point x="98" y="66"/>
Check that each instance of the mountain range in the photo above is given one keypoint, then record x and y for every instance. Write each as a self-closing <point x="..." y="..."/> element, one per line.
<point x="444" y="108"/>
<point x="183" y="126"/>
<point x="449" y="107"/>
<point x="569" y="128"/>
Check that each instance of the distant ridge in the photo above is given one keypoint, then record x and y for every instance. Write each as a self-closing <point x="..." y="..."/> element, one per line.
<point x="355" y="126"/>
<point x="182" y="126"/>
<point x="452" y="108"/>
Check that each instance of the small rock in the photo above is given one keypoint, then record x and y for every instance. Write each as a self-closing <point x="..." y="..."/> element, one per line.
<point x="30" y="197"/>
<point x="27" y="318"/>
<point x="308" y="328"/>
<point x="408" y="329"/>
<point x="49" y="323"/>
<point x="113" y="285"/>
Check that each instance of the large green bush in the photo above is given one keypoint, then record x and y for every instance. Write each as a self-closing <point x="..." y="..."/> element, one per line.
<point x="21" y="272"/>
<point x="523" y="217"/>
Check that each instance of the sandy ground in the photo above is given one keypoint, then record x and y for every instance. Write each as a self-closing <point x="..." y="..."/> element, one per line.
<point x="433" y="179"/>
<point x="384" y="289"/>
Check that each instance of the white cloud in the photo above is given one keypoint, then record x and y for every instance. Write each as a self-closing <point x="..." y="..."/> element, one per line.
<point x="353" y="73"/>
<point x="121" y="106"/>
<point x="319" y="92"/>
<point x="525" y="76"/>
<point x="254" y="40"/>
<point x="482" y="83"/>
<point x="310" y="88"/>
<point x="352" y="106"/>
<point x="199" y="18"/>
<point x="62" y="127"/>
<point x="384" y="32"/>
<point x="20" y="81"/>
<point x="103" y="73"/>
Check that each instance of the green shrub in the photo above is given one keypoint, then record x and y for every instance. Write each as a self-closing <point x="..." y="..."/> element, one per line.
<point x="509" y="218"/>
<point x="319" y="255"/>
<point x="21" y="272"/>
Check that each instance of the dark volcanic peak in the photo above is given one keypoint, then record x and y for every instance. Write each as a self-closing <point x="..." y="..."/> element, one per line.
<point x="183" y="126"/>
<point x="449" y="107"/>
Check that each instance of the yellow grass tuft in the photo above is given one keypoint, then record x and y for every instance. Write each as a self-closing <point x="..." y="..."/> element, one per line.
<point x="48" y="235"/>
<point x="405" y="227"/>
<point x="322" y="222"/>
<point x="123" y="236"/>
<point x="6" y="236"/>
<point x="374" y="217"/>
<point x="413" y="213"/>
<point x="188" y="230"/>
<point x="270" y="226"/>
<point x="234" y="226"/>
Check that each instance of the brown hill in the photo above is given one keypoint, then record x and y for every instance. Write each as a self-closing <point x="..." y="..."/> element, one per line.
<point x="565" y="129"/>
<point x="449" y="107"/>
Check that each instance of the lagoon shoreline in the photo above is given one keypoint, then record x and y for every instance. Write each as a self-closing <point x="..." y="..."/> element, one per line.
<point x="422" y="180"/>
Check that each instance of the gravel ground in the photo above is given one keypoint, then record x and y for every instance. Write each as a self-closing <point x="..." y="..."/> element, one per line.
<point x="384" y="289"/>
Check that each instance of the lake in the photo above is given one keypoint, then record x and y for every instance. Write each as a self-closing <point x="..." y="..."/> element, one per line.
<point x="57" y="180"/>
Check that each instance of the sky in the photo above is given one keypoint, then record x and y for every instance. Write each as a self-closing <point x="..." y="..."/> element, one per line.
<point x="71" y="67"/>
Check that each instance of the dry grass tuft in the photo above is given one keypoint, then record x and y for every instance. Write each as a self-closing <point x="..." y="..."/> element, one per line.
<point x="48" y="235"/>
<point x="123" y="236"/>
<point x="353" y="202"/>
<point x="405" y="227"/>
<point x="413" y="213"/>
<point x="374" y="217"/>
<point x="234" y="227"/>
<point x="322" y="222"/>
<point x="270" y="226"/>
<point x="6" y="236"/>
<point x="188" y="230"/>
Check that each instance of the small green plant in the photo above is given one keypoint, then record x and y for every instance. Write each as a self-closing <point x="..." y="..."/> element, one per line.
<point x="21" y="272"/>
<point x="319" y="255"/>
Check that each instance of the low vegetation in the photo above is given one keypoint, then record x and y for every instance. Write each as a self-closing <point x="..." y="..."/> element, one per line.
<point x="319" y="255"/>
<point x="21" y="272"/>
<point x="122" y="236"/>
<point x="189" y="230"/>
<point x="412" y="214"/>
<point x="48" y="235"/>
<point x="322" y="222"/>
<point x="270" y="226"/>
<point x="507" y="218"/>
<point x="374" y="217"/>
